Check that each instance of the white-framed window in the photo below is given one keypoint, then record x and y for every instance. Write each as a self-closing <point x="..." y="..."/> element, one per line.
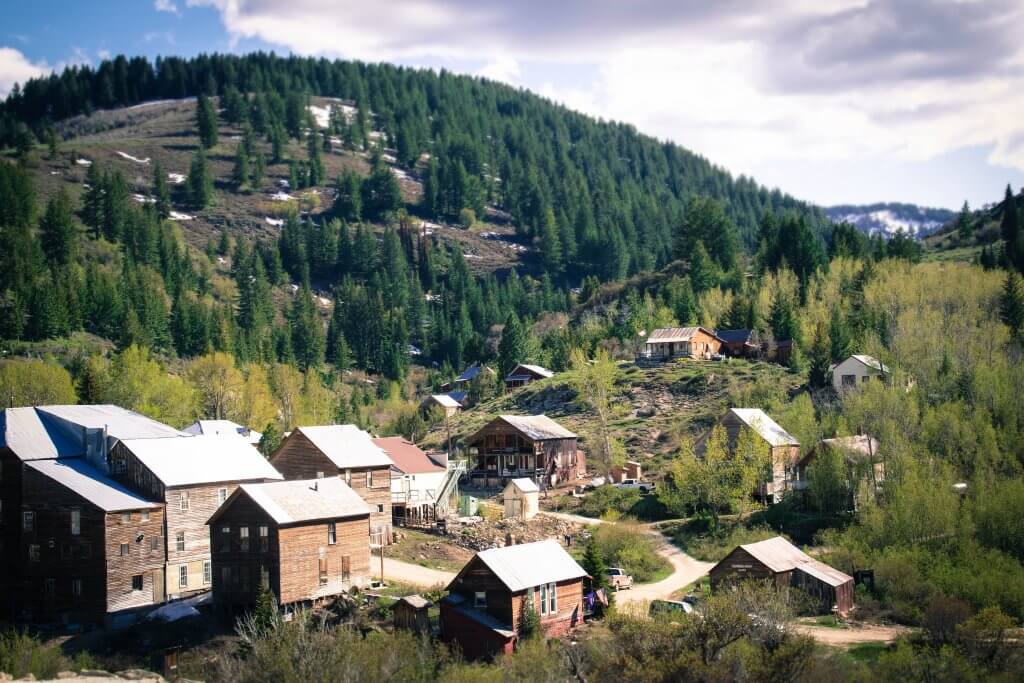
<point x="319" y="475"/>
<point x="76" y="522"/>
<point x="222" y="495"/>
<point x="126" y="517"/>
<point x="332" y="533"/>
<point x="207" y="572"/>
<point x="548" y="598"/>
<point x="183" y="502"/>
<point x="145" y="515"/>
<point x="243" y="539"/>
<point x="348" y="476"/>
<point x="28" y="520"/>
<point x="179" y="541"/>
<point x="264" y="538"/>
<point x="154" y="543"/>
<point x="480" y="599"/>
<point x="183" y="576"/>
<point x="544" y="598"/>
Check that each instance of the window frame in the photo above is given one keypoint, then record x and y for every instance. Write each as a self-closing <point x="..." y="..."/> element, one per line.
<point x="207" y="572"/>
<point x="222" y="496"/>
<point x="264" y="535"/>
<point x="182" y="576"/>
<point x="184" y="504"/>
<point x="75" y="522"/>
<point x="480" y="599"/>
<point x="76" y="587"/>
<point x="140" y="580"/>
<point x="179" y="542"/>
<point x="126" y="549"/>
<point x="28" y="520"/>
<point x="332" y="533"/>
<point x="243" y="539"/>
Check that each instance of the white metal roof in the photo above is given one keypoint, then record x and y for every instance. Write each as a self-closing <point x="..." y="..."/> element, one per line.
<point x="870" y="362"/>
<point x="120" y="423"/>
<point x="223" y="427"/>
<point x="525" y="485"/>
<point x="347" y="446"/>
<point x="201" y="460"/>
<point x="445" y="401"/>
<point x="536" y="369"/>
<point x="24" y="432"/>
<point x="89" y="483"/>
<point x="767" y="428"/>
<point x="538" y="427"/>
<point x="531" y="564"/>
<point x="306" y="500"/>
<point x="780" y="555"/>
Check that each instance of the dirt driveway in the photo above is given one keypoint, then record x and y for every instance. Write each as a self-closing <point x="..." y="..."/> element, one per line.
<point x="412" y="574"/>
<point x="844" y="637"/>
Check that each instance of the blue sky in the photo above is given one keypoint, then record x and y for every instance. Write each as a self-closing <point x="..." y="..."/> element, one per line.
<point x="834" y="101"/>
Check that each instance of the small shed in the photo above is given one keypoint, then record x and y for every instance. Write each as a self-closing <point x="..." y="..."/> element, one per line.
<point x="413" y="613"/>
<point x="444" y="402"/>
<point x="631" y="470"/>
<point x="521" y="499"/>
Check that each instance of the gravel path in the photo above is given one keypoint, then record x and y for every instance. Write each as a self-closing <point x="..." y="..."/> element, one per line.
<point x="842" y="637"/>
<point x="412" y="574"/>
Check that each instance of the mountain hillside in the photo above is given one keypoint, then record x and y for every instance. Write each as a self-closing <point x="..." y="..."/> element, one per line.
<point x="890" y="218"/>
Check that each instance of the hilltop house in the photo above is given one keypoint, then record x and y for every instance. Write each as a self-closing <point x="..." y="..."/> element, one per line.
<point x="783" y="447"/>
<point x="470" y="377"/>
<point x="486" y="600"/>
<point x="304" y="539"/>
<point x="215" y="427"/>
<point x="535" y="447"/>
<point x="446" y="403"/>
<point x="523" y="374"/>
<point x="421" y="485"/>
<point x="342" y="451"/>
<point x="680" y="342"/>
<point x="856" y="370"/>
<point x="859" y="453"/>
<point x="785" y="565"/>
<point x="739" y="343"/>
<point x="193" y="476"/>
<point x="80" y="433"/>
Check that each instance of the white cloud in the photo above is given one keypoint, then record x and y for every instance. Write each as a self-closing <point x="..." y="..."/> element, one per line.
<point x="16" y="68"/>
<point x="504" y="69"/>
<point x="166" y="6"/>
<point x="103" y="54"/>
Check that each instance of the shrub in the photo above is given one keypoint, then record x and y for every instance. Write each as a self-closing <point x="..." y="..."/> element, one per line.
<point x="21" y="654"/>
<point x="628" y="545"/>
<point x="604" y="498"/>
<point x="697" y="540"/>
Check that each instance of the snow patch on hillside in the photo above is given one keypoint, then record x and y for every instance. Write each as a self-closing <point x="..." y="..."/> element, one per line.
<point x="891" y="219"/>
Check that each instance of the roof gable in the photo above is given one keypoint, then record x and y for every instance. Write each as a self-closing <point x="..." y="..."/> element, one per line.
<point x="524" y="484"/>
<point x="537" y="427"/>
<point x="528" y="565"/>
<point x="91" y="485"/>
<point x="301" y="500"/>
<point x="780" y="555"/>
<point x="202" y="459"/>
<point x="346" y="446"/>
<point x="406" y="456"/>
<point x="525" y="369"/>
<point x="765" y="427"/>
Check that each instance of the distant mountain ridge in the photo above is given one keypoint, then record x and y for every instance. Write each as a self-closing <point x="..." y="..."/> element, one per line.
<point x="889" y="218"/>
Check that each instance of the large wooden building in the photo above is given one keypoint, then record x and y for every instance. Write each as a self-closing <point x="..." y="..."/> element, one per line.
<point x="783" y="447"/>
<point x="193" y="476"/>
<point x="680" y="342"/>
<point x="344" y="451"/>
<point x="783" y="564"/>
<point x="422" y="486"/>
<point x="487" y="599"/>
<point x="531" y="446"/>
<point x="304" y="539"/>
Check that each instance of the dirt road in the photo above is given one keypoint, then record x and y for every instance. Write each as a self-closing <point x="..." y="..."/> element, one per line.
<point x="686" y="570"/>
<point x="844" y="637"/>
<point x="412" y="574"/>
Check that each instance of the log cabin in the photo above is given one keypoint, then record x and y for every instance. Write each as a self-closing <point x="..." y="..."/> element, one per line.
<point x="779" y="562"/>
<point x="783" y="447"/>
<point x="91" y="550"/>
<point x="517" y="446"/>
<point x="670" y="343"/>
<point x="524" y="374"/>
<point x="487" y="599"/>
<point x="193" y="476"/>
<point x="303" y="539"/>
<point x="342" y="451"/>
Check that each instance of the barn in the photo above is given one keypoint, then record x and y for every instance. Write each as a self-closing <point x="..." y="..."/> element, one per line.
<point x="782" y="563"/>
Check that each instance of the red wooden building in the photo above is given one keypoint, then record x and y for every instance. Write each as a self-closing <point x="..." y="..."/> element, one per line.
<point x="486" y="601"/>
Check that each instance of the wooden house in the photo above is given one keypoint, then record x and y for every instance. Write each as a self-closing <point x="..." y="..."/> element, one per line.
<point x="856" y="370"/>
<point x="741" y="343"/>
<point x="421" y="487"/>
<point x="223" y="427"/>
<point x="523" y="374"/>
<point x="471" y="377"/>
<point x="534" y="446"/>
<point x="193" y="476"/>
<point x="780" y="562"/>
<point x="783" y="447"/>
<point x="412" y="613"/>
<point x="860" y="455"/>
<point x="304" y="539"/>
<point x="680" y="342"/>
<point x="521" y="499"/>
<point x="630" y="470"/>
<point x="45" y="433"/>
<point x="342" y="451"/>
<point x="486" y="601"/>
<point x="442" y="402"/>
<point x="91" y="550"/>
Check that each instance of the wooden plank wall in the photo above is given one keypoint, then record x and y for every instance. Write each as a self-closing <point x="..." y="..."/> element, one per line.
<point x="301" y="547"/>
<point x="142" y="559"/>
<point x="203" y="501"/>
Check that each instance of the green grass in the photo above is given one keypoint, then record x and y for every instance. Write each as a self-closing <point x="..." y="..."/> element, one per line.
<point x="867" y="653"/>
<point x="828" y="621"/>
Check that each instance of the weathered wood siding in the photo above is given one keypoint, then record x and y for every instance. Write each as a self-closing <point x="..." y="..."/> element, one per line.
<point x="740" y="565"/>
<point x="477" y="577"/>
<point x="298" y="458"/>
<point x="144" y="558"/>
<point x="202" y="502"/>
<point x="10" y="536"/>
<point x="784" y="458"/>
<point x="568" y="608"/>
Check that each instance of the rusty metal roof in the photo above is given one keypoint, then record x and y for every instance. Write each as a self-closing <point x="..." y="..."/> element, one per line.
<point x="780" y="555"/>
<point x="406" y="456"/>
<point x="538" y="427"/>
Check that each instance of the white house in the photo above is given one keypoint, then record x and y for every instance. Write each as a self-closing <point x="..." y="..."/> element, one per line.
<point x="856" y="370"/>
<point x="521" y="499"/>
<point x="417" y="480"/>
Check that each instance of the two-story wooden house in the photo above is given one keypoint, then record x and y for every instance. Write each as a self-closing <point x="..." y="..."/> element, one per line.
<point x="343" y="451"/>
<point x="194" y="476"/>
<point x="486" y="602"/>
<point x="421" y="487"/>
<point x="783" y="447"/>
<point x="304" y="539"/>
<point x="524" y="373"/>
<point x="531" y="446"/>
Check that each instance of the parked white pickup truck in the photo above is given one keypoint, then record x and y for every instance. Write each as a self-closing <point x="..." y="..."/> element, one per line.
<point x="644" y="486"/>
<point x="618" y="579"/>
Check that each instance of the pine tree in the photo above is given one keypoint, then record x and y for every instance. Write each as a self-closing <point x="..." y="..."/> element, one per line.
<point x="92" y="200"/>
<point x="820" y="359"/>
<point x="206" y="122"/>
<point x="840" y="340"/>
<point x="240" y="172"/>
<point x="964" y="222"/>
<point x="58" y="232"/>
<point x="348" y="206"/>
<point x="1011" y="305"/>
<point x="259" y="171"/>
<point x="161" y="192"/>
<point x="512" y="348"/>
<point x="550" y="244"/>
<point x="703" y="275"/>
<point x="316" y="164"/>
<point x="200" y="181"/>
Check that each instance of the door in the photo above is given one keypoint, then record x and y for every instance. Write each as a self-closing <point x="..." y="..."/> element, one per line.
<point x="158" y="585"/>
<point x="346" y="568"/>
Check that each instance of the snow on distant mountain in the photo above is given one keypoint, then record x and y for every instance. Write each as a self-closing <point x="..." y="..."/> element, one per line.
<point x="891" y="218"/>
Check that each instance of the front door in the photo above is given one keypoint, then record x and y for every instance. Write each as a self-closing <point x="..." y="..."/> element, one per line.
<point x="158" y="585"/>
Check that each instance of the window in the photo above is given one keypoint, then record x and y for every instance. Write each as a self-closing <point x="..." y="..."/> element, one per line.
<point x="225" y="539"/>
<point x="222" y="495"/>
<point x="346" y="567"/>
<point x="369" y="479"/>
<point x="243" y="539"/>
<point x="118" y="464"/>
<point x="154" y="543"/>
<point x="33" y="552"/>
<point x="480" y="600"/>
<point x="85" y="550"/>
<point x="264" y="538"/>
<point x="50" y="587"/>
<point x="28" y="520"/>
<point x="332" y="533"/>
<point x="552" y="598"/>
<point x="76" y="522"/>
<point x="380" y="507"/>
<point x="125" y="549"/>
<point x="849" y="380"/>
<point x="319" y="475"/>
<point x="183" y="503"/>
<point x="183" y="576"/>
<point x="179" y="541"/>
<point x="207" y="573"/>
<point x="76" y="588"/>
<point x="137" y="582"/>
<point x="544" y="599"/>
<point x="126" y="517"/>
<point x="145" y="515"/>
<point x="323" y="571"/>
